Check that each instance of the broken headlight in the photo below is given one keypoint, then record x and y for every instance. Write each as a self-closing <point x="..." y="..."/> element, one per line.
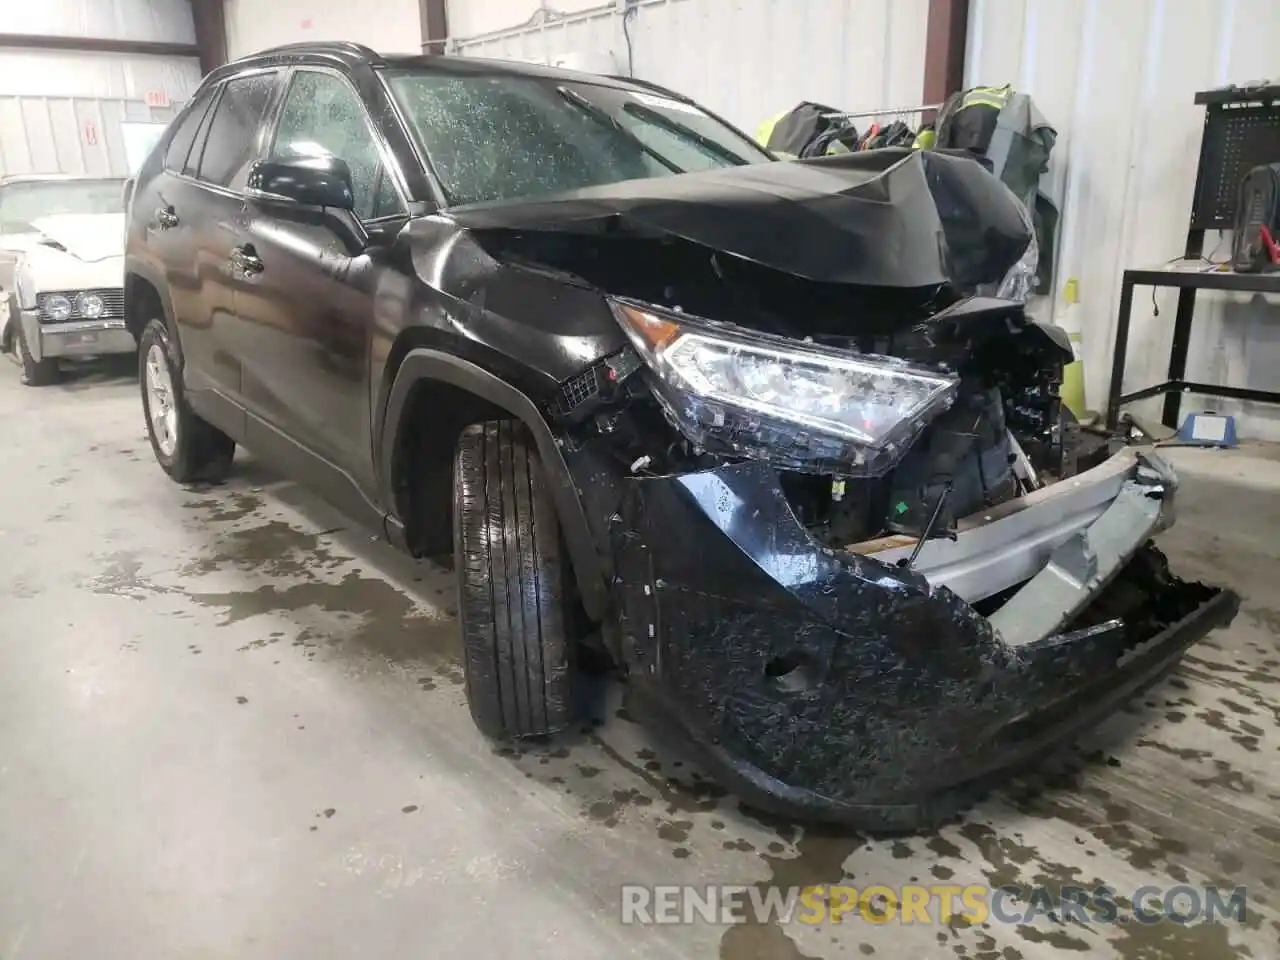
<point x="799" y="405"/>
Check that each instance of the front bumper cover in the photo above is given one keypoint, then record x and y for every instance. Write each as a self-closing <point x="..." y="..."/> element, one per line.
<point x="832" y="685"/>
<point x="78" y="338"/>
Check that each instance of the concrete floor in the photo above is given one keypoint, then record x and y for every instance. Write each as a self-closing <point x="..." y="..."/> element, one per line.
<point x="232" y="726"/>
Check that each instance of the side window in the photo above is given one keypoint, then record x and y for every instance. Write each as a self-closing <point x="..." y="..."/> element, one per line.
<point x="323" y="115"/>
<point x="192" y="164"/>
<point x="228" y="148"/>
<point x="175" y="157"/>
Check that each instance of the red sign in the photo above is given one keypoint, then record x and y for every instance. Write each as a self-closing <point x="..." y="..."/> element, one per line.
<point x="157" y="98"/>
<point x="306" y="24"/>
<point x="90" y="133"/>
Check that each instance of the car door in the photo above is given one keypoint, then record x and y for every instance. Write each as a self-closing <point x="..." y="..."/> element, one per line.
<point x="167" y="239"/>
<point x="203" y="211"/>
<point x="306" y="311"/>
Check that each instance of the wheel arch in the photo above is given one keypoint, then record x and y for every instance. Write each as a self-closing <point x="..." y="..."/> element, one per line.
<point x="11" y="321"/>
<point x="144" y="292"/>
<point x="425" y="369"/>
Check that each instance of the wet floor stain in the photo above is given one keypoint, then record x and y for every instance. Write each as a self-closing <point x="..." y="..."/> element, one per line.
<point x="1204" y="724"/>
<point x="811" y="856"/>
<point x="230" y="508"/>
<point x="364" y="616"/>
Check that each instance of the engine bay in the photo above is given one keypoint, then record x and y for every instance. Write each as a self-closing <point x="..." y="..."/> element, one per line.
<point x="1005" y="433"/>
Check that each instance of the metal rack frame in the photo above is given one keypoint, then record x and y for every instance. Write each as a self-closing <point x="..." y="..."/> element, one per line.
<point x="1221" y="107"/>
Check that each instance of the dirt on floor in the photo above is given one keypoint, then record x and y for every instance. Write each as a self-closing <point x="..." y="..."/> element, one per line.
<point x="231" y="724"/>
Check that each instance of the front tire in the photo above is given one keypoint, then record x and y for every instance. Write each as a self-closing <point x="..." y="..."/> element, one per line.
<point x="512" y="590"/>
<point x="190" y="449"/>
<point x="35" y="373"/>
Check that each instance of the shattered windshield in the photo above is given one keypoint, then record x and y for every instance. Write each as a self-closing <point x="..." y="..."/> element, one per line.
<point x="503" y="137"/>
<point x="25" y="201"/>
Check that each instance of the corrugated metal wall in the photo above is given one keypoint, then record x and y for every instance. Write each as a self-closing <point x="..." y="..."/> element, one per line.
<point x="60" y="112"/>
<point x="252" y="25"/>
<point x="165" y="21"/>
<point x="1117" y="80"/>
<point x="745" y="59"/>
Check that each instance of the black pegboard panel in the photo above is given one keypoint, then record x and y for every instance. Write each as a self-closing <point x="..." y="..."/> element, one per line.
<point x="1236" y="139"/>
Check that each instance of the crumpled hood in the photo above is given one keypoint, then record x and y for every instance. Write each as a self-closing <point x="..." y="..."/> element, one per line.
<point x="884" y="218"/>
<point x="86" y="236"/>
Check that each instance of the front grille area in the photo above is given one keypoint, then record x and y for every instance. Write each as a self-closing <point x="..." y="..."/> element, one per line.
<point x="112" y="302"/>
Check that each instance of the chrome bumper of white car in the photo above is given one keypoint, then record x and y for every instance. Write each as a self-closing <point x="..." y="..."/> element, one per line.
<point x="77" y="338"/>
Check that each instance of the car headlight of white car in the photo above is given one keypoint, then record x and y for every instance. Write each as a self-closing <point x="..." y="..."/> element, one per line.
<point x="800" y="405"/>
<point x="90" y="306"/>
<point x="57" y="307"/>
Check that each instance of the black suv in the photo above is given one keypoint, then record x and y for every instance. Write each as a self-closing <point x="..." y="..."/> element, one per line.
<point x="771" y="435"/>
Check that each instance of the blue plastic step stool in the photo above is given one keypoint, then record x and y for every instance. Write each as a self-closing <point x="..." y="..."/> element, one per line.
<point x="1208" y="429"/>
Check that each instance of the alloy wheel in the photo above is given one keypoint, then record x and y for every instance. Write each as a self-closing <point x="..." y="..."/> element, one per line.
<point x="161" y="408"/>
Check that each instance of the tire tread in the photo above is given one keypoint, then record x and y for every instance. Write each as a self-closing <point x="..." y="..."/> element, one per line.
<point x="511" y="585"/>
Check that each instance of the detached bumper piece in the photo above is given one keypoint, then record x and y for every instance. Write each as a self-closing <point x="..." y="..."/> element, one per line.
<point x="830" y="685"/>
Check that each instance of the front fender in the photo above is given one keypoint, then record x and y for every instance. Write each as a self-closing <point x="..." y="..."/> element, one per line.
<point x="427" y="364"/>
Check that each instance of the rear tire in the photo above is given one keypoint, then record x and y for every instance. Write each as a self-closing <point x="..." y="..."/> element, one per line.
<point x="512" y="585"/>
<point x="35" y="373"/>
<point x="190" y="449"/>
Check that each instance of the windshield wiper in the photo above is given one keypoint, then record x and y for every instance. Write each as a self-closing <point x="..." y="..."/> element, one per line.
<point x="688" y="133"/>
<point x="602" y="117"/>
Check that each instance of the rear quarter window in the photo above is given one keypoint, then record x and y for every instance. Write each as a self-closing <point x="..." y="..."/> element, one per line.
<point x="175" y="157"/>
<point x="233" y="132"/>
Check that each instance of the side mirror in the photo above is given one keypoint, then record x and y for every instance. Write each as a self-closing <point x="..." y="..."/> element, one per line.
<point x="310" y="181"/>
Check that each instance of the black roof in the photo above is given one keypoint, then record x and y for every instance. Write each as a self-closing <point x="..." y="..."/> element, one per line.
<point x="346" y="53"/>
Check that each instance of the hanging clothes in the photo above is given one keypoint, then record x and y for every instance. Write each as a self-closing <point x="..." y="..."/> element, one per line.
<point x="1005" y="127"/>
<point x="808" y="130"/>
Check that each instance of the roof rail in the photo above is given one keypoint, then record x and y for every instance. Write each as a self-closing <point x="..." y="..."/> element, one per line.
<point x="324" y="46"/>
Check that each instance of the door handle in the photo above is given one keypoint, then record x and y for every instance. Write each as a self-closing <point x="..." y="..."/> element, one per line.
<point x="166" y="218"/>
<point x="246" y="258"/>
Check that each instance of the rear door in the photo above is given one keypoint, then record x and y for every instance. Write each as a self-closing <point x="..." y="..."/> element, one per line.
<point x="167" y="237"/>
<point x="205" y="207"/>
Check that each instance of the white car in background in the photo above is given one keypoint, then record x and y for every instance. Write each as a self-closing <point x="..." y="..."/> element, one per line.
<point x="61" y="270"/>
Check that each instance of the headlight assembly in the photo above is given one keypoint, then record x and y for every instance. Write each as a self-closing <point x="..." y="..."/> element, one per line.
<point x="58" y="307"/>
<point x="90" y="306"/>
<point x="800" y="405"/>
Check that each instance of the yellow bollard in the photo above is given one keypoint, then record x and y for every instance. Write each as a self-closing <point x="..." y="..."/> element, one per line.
<point x="1073" y="382"/>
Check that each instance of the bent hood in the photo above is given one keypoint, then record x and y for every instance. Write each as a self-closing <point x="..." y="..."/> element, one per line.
<point x="883" y="218"/>
<point x="90" y="237"/>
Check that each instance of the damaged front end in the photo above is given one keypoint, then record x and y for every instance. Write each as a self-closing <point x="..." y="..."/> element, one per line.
<point x="859" y="557"/>
<point x="872" y="645"/>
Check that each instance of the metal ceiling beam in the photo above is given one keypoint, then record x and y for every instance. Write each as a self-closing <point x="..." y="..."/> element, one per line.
<point x="435" y="25"/>
<point x="210" y="20"/>
<point x="944" y="49"/>
<point x="36" y="41"/>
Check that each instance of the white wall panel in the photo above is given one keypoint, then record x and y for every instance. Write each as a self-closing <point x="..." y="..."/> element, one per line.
<point x="70" y="135"/>
<point x="60" y="112"/>
<point x="468" y="18"/>
<point x="390" y="26"/>
<point x="61" y="74"/>
<point x="745" y="59"/>
<point x="1117" y="80"/>
<point x="167" y="21"/>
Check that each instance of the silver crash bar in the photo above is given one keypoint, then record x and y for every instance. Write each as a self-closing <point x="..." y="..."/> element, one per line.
<point x="1075" y="533"/>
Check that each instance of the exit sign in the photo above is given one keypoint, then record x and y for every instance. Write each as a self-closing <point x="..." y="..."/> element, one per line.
<point x="157" y="98"/>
